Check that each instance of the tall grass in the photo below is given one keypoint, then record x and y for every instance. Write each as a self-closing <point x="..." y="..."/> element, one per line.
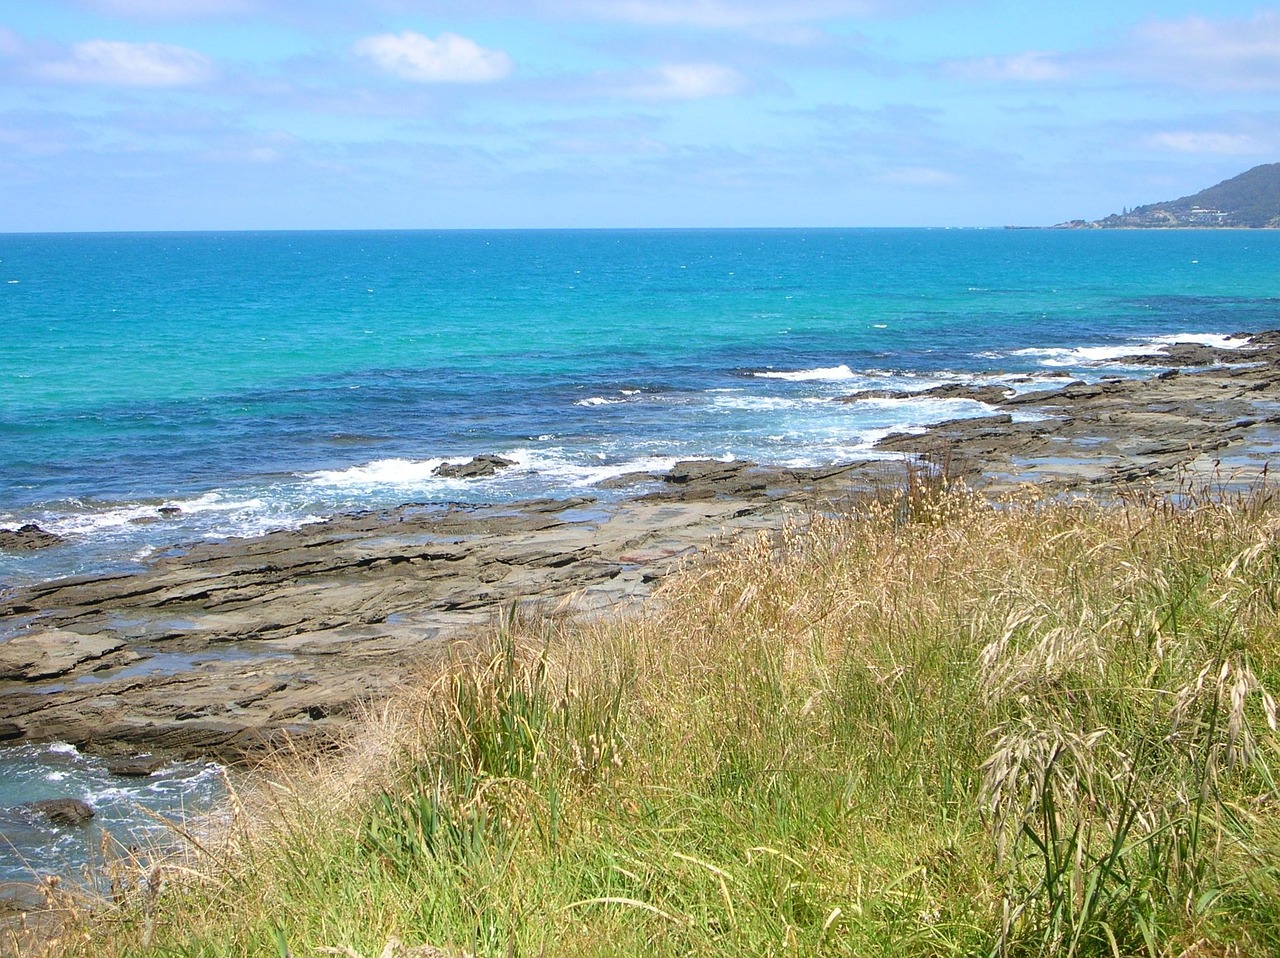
<point x="933" y="726"/>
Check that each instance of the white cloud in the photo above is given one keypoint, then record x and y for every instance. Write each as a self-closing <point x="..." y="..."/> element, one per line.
<point x="1196" y="53"/>
<point x="1032" y="67"/>
<point x="448" y="58"/>
<point x="688" y="81"/>
<point x="116" y="63"/>
<point x="1239" y="54"/>
<point x="1188" y="141"/>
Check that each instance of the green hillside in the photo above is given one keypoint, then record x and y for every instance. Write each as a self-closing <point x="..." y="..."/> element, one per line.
<point x="1251" y="199"/>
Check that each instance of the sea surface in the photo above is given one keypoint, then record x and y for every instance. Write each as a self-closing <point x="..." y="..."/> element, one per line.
<point x="242" y="382"/>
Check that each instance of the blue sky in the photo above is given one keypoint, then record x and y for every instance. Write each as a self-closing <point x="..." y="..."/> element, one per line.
<point x="314" y="114"/>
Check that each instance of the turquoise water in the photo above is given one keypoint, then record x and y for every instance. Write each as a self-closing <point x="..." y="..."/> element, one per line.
<point x="257" y="380"/>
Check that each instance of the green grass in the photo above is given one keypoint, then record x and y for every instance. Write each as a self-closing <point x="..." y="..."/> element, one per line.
<point x="935" y="726"/>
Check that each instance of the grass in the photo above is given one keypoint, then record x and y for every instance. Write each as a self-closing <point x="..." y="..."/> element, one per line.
<point x="934" y="726"/>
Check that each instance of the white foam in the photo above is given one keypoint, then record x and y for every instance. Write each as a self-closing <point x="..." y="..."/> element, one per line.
<point x="599" y="401"/>
<point x="1111" y="355"/>
<point x="1087" y="355"/>
<point x="1205" y="339"/>
<point x="547" y="465"/>
<point x="765" y="403"/>
<point x="88" y="522"/>
<point x="930" y="408"/>
<point x="822" y="373"/>
<point x="568" y="472"/>
<point x="380" y="472"/>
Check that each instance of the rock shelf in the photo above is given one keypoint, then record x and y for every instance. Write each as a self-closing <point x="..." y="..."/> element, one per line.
<point x="233" y="647"/>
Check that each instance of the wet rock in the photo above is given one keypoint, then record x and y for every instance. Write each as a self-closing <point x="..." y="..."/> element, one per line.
<point x="169" y="511"/>
<point x="985" y="394"/>
<point x="874" y="394"/>
<point x="479" y="467"/>
<point x="990" y="394"/>
<point x="694" y="480"/>
<point x="28" y="538"/>
<point x="690" y="471"/>
<point x="140" y="766"/>
<point x="1184" y="355"/>
<point x="1040" y="396"/>
<point x="10" y="731"/>
<point x="626" y="480"/>
<point x="61" y="811"/>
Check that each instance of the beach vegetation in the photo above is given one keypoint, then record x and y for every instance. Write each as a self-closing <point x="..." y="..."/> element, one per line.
<point x="926" y="724"/>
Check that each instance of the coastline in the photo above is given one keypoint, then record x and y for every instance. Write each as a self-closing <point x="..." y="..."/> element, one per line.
<point x="233" y="649"/>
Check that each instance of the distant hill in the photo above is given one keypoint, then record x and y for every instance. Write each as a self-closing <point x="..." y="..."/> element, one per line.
<point x="1251" y="199"/>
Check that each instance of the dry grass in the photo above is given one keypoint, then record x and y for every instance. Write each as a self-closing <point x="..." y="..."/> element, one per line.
<point x="934" y="726"/>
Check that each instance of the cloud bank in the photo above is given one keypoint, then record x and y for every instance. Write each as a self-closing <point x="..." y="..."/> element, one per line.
<point x="448" y="58"/>
<point x="117" y="63"/>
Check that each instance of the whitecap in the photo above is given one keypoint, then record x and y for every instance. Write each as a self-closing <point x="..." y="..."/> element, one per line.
<point x="828" y="373"/>
<point x="1218" y="340"/>
<point x="1061" y="356"/>
<point x="765" y="403"/>
<point x="380" y="472"/>
<point x="1114" y="355"/>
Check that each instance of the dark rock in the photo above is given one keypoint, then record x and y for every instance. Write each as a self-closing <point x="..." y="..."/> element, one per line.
<point x="27" y="538"/>
<point x="478" y="468"/>
<point x="875" y="394"/>
<point x="169" y="511"/>
<point x="1186" y="354"/>
<point x="626" y="480"/>
<point x="983" y="394"/>
<point x="137" y="767"/>
<point x="690" y="471"/>
<point x="61" y="811"/>
<point x="1270" y="337"/>
<point x="1039" y="396"/>
<point x="10" y="730"/>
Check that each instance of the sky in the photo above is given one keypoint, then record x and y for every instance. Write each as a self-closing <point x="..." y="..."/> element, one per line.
<point x="442" y="114"/>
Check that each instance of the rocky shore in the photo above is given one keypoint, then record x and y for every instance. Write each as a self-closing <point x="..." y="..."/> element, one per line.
<point x="231" y="648"/>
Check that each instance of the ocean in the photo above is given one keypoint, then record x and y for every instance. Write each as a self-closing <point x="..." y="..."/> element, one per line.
<point x="161" y="389"/>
